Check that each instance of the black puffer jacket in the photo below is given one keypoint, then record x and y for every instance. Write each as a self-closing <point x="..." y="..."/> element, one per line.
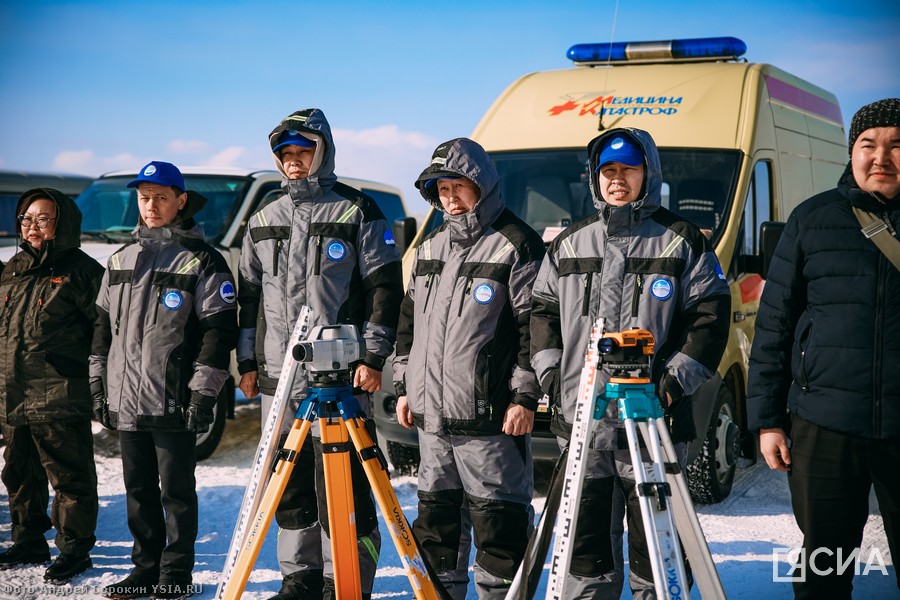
<point x="827" y="342"/>
<point x="46" y="322"/>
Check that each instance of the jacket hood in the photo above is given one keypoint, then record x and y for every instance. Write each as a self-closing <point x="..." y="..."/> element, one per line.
<point x="872" y="202"/>
<point x="462" y="157"/>
<point x="311" y="124"/>
<point x="68" y="217"/>
<point x="651" y="193"/>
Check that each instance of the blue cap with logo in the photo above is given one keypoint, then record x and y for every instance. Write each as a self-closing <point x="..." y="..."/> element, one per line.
<point x="292" y="137"/>
<point x="434" y="180"/>
<point x="621" y="149"/>
<point x="160" y="173"/>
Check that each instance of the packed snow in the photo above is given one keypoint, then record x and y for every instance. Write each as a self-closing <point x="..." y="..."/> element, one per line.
<point x="742" y="531"/>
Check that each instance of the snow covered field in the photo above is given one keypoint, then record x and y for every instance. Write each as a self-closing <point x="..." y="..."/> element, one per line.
<point x="742" y="532"/>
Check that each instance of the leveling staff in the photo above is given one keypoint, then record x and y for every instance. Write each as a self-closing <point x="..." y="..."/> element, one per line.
<point x="639" y="266"/>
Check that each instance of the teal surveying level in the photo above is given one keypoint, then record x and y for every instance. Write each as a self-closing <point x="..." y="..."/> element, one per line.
<point x="624" y="360"/>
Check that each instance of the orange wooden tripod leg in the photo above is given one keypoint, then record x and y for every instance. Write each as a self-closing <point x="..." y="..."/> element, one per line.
<point x="341" y="511"/>
<point x="259" y="523"/>
<point x="401" y="533"/>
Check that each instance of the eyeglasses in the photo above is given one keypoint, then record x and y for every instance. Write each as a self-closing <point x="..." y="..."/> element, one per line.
<point x="41" y="222"/>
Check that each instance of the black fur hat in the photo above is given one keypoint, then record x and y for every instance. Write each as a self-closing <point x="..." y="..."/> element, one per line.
<point x="883" y="113"/>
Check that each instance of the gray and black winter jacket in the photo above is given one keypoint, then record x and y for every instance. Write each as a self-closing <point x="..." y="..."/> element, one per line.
<point x="46" y="322"/>
<point x="463" y="340"/>
<point x="322" y="244"/>
<point x="637" y="265"/>
<point x="166" y="325"/>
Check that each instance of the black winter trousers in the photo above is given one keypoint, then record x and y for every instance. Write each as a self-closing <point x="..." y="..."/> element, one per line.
<point x="831" y="476"/>
<point x="161" y="501"/>
<point x="61" y="452"/>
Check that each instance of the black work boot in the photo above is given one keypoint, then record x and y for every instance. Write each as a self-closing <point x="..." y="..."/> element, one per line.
<point x="66" y="567"/>
<point x="302" y="585"/>
<point x="328" y="591"/>
<point x="138" y="584"/>
<point x="22" y="554"/>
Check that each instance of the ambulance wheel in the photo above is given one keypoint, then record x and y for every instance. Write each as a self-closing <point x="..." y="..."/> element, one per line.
<point x="405" y="459"/>
<point x="711" y="475"/>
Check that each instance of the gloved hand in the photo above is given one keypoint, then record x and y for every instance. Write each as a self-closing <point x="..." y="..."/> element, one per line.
<point x="199" y="414"/>
<point x="100" y="404"/>
<point x="551" y="386"/>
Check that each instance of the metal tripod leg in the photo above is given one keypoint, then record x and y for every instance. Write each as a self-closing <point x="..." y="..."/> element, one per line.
<point x="339" y="494"/>
<point x="655" y="500"/>
<point x="376" y="471"/>
<point x="686" y="521"/>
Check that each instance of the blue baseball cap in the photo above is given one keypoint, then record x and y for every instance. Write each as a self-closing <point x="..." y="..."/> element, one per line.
<point x="292" y="137"/>
<point x="161" y="173"/>
<point x="433" y="180"/>
<point x="621" y="149"/>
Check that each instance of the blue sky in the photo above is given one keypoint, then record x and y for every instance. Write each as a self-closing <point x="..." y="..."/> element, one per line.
<point x="88" y="87"/>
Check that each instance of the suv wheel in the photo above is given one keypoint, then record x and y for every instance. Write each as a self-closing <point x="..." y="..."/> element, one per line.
<point x="405" y="459"/>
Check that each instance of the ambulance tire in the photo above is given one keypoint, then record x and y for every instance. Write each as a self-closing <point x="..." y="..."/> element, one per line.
<point x="711" y="475"/>
<point x="405" y="459"/>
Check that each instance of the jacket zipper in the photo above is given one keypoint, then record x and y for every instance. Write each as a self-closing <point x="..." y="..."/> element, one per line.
<point x="158" y="302"/>
<point x="586" y="302"/>
<point x="428" y="282"/>
<point x="636" y="297"/>
<point x="318" y="267"/>
<point x="877" y="363"/>
<point x="278" y="245"/>
<point x="119" y="309"/>
<point x="465" y="293"/>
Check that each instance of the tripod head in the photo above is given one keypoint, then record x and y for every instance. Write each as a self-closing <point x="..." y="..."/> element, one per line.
<point x="328" y="353"/>
<point x="627" y="354"/>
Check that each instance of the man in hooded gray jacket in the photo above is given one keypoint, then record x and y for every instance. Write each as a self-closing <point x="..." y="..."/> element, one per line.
<point x="463" y="375"/>
<point x="639" y="266"/>
<point x="325" y="245"/>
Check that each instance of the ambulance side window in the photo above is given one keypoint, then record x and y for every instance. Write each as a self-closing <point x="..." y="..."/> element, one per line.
<point x="757" y="210"/>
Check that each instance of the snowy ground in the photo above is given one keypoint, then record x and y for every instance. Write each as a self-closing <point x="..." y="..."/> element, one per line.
<point x="742" y="532"/>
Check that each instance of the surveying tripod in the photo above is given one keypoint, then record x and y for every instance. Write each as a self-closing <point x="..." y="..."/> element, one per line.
<point x="666" y="508"/>
<point x="327" y="356"/>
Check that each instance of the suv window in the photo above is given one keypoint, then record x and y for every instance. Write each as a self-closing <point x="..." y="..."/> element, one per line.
<point x="109" y="209"/>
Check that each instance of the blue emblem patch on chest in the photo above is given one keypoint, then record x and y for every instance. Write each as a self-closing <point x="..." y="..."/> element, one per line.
<point x="661" y="288"/>
<point x="335" y="251"/>
<point x="483" y="293"/>
<point x="172" y="300"/>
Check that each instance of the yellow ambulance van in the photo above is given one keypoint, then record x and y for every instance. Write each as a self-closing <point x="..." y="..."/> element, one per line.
<point x="741" y="144"/>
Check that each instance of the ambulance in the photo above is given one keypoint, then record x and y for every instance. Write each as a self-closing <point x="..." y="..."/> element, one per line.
<point x="741" y="144"/>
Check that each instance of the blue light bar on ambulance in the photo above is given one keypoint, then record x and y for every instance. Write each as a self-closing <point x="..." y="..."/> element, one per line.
<point x="663" y="51"/>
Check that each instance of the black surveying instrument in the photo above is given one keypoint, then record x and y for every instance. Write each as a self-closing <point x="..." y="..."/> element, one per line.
<point x="326" y="357"/>
<point x="623" y="359"/>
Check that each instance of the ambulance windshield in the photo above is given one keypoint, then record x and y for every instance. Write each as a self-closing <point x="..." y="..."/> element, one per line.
<point x="549" y="188"/>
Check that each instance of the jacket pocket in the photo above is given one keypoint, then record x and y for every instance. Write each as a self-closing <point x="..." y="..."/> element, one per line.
<point x="803" y="338"/>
